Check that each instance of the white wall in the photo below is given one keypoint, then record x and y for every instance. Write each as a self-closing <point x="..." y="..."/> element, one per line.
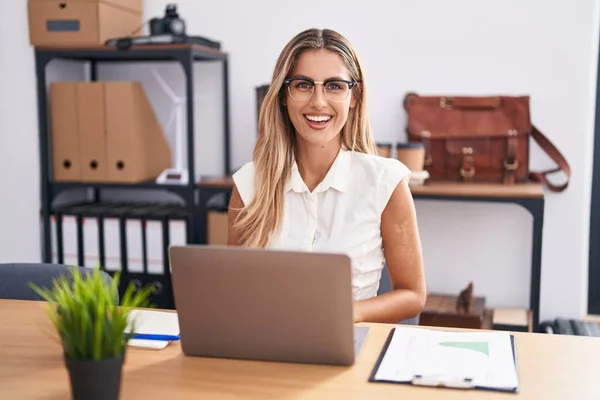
<point x="547" y="50"/>
<point x="19" y="190"/>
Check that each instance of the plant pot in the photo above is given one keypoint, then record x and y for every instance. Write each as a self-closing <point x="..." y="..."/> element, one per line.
<point x="95" y="379"/>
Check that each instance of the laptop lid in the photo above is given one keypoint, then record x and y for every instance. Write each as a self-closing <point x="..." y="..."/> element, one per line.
<point x="264" y="304"/>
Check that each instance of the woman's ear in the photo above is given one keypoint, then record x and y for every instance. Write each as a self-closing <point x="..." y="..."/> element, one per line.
<point x="353" y="100"/>
<point x="354" y="95"/>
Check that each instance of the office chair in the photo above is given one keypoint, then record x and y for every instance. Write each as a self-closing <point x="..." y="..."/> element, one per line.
<point x="385" y="285"/>
<point x="15" y="279"/>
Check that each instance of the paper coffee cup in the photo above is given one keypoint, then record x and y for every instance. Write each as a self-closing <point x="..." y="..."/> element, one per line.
<point x="385" y="149"/>
<point x="412" y="155"/>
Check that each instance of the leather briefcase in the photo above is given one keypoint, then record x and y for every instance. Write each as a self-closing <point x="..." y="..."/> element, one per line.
<point x="479" y="139"/>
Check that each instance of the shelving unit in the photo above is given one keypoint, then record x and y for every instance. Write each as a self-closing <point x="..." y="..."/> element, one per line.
<point x="192" y="212"/>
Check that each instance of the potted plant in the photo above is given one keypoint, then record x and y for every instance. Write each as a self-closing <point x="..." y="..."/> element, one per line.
<point x="93" y="329"/>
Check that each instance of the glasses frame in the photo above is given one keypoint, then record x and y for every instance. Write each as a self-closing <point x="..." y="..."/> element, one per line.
<point x="351" y="85"/>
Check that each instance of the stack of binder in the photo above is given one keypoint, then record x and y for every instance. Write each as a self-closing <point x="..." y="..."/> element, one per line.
<point x="129" y="237"/>
<point x="105" y="132"/>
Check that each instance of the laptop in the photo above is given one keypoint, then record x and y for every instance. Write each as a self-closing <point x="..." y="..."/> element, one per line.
<point x="265" y="304"/>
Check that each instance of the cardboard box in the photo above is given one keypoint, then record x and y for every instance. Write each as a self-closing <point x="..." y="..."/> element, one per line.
<point x="66" y="158"/>
<point x="82" y="22"/>
<point x="78" y="131"/>
<point x="105" y="132"/>
<point x="512" y="319"/>
<point x="91" y="122"/>
<point x="137" y="149"/>
<point x="217" y="227"/>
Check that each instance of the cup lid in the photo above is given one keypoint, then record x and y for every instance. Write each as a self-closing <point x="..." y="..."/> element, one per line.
<point x="411" y="145"/>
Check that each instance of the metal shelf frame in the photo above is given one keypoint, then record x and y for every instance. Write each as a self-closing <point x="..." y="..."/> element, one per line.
<point x="186" y="55"/>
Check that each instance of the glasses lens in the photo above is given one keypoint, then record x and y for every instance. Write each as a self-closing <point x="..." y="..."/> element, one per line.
<point x="300" y="89"/>
<point x="337" y="90"/>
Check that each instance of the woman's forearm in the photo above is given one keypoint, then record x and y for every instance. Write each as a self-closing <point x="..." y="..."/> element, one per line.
<point x="392" y="307"/>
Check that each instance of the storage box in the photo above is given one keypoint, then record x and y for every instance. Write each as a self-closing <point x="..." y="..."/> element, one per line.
<point x="82" y="22"/>
<point x="105" y="132"/>
<point x="137" y="149"/>
<point x="217" y="227"/>
<point x="440" y="310"/>
<point x="512" y="319"/>
<point x="65" y="133"/>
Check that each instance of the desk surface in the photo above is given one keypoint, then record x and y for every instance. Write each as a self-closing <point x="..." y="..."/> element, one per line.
<point x="521" y="190"/>
<point x="31" y="367"/>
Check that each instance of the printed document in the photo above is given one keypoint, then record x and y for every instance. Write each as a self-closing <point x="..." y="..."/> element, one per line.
<point x="479" y="359"/>
<point x="152" y="322"/>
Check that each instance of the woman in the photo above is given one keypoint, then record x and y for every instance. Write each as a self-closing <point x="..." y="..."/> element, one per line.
<point x="316" y="183"/>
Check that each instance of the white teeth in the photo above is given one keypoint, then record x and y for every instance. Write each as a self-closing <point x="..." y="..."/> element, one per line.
<point x="318" y="118"/>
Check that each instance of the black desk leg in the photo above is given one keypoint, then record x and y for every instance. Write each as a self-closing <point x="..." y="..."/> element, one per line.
<point x="201" y="216"/>
<point x="536" y="208"/>
<point x="46" y="170"/>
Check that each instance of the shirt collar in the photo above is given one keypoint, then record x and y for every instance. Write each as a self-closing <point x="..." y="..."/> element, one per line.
<point x="338" y="176"/>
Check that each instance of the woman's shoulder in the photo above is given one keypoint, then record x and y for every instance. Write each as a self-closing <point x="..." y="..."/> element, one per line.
<point x="380" y="174"/>
<point x="381" y="168"/>
<point x="245" y="169"/>
<point x="244" y="181"/>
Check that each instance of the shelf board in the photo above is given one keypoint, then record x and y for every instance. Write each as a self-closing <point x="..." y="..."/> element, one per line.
<point x="216" y="181"/>
<point x="62" y="186"/>
<point x="529" y="190"/>
<point x="116" y="209"/>
<point x="156" y="52"/>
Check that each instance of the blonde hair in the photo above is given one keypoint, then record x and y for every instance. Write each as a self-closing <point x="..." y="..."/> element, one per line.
<point x="274" y="150"/>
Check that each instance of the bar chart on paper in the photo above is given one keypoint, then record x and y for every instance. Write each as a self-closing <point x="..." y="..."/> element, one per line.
<point x="479" y="359"/>
<point x="481" y="347"/>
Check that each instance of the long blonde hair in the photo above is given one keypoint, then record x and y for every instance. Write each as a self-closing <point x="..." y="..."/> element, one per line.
<point x="274" y="150"/>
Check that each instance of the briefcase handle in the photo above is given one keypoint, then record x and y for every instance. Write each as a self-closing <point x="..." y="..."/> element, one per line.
<point x="459" y="102"/>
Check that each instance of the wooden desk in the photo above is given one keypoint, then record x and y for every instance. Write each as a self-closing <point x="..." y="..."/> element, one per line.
<point x="31" y="367"/>
<point x="525" y="190"/>
<point x="528" y="195"/>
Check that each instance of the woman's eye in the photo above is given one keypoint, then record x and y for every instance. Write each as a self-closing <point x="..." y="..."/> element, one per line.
<point x="303" y="85"/>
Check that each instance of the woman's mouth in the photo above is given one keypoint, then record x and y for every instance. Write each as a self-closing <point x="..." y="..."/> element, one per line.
<point x="317" y="121"/>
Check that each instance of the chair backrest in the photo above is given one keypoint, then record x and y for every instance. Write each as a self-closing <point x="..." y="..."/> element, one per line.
<point x="16" y="277"/>
<point x="385" y="285"/>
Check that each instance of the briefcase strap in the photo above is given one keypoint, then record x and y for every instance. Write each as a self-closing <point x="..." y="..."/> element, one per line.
<point x="556" y="156"/>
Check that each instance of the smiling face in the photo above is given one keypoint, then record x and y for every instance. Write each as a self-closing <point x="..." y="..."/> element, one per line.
<point x="319" y="119"/>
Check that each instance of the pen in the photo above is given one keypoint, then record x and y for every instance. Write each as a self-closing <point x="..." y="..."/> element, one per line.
<point x="148" y="336"/>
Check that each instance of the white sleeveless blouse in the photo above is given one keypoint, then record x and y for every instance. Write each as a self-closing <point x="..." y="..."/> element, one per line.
<point x="342" y="214"/>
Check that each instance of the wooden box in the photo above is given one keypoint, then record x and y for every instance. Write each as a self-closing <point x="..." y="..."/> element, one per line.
<point x="440" y="310"/>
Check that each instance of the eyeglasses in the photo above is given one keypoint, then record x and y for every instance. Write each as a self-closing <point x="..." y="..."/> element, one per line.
<point x="302" y="89"/>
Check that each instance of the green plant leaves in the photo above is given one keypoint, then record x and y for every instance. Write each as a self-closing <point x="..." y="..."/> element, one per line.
<point x="85" y="312"/>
